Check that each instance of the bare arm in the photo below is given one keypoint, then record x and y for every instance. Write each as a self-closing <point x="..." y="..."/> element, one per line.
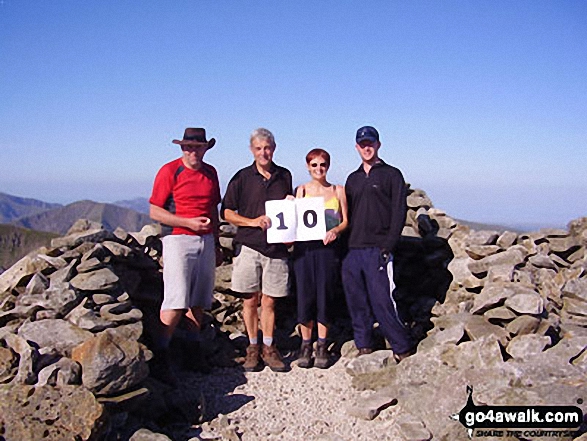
<point x="236" y="219"/>
<point x="195" y="224"/>
<point x="332" y="234"/>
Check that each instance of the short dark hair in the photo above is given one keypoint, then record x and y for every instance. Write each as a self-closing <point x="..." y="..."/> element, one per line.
<point x="314" y="153"/>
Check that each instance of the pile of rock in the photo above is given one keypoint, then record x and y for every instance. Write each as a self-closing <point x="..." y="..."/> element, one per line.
<point x="503" y="312"/>
<point x="513" y="326"/>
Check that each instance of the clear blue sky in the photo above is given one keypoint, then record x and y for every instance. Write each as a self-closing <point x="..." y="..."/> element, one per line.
<point x="483" y="104"/>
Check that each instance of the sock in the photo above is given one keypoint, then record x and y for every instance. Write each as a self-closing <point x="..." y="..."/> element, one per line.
<point x="267" y="341"/>
<point x="253" y="341"/>
<point x="307" y="342"/>
<point x="321" y="341"/>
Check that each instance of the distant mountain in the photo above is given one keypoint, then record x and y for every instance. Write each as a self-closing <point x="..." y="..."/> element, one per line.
<point x="479" y="226"/>
<point x="15" y="242"/>
<point x="137" y="204"/>
<point x="13" y="207"/>
<point x="59" y="220"/>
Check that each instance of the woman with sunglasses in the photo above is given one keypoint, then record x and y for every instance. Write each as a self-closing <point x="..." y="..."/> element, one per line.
<point x="317" y="263"/>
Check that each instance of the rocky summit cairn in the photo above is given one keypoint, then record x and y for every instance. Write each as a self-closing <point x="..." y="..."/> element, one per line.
<point x="500" y="311"/>
<point x="513" y="324"/>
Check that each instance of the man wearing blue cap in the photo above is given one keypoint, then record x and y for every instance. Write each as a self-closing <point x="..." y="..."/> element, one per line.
<point x="376" y="196"/>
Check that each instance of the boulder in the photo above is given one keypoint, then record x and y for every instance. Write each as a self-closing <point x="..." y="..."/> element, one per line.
<point x="111" y="364"/>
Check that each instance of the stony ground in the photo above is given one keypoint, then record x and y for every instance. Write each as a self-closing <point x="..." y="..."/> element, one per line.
<point x="303" y="404"/>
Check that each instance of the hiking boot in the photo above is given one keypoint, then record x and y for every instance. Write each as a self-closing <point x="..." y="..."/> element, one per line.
<point x="399" y="357"/>
<point x="305" y="358"/>
<point x="322" y="356"/>
<point x="161" y="369"/>
<point x="365" y="351"/>
<point x="272" y="358"/>
<point x="194" y="358"/>
<point x="252" y="359"/>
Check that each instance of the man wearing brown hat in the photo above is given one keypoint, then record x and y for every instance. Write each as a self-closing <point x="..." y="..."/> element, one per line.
<point x="185" y="197"/>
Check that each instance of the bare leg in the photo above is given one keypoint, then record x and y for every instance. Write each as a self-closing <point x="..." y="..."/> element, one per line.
<point x="322" y="330"/>
<point x="306" y="329"/>
<point x="267" y="315"/>
<point x="195" y="316"/>
<point x="170" y="319"/>
<point x="250" y="315"/>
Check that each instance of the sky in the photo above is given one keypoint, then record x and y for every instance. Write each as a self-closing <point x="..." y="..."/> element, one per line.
<point x="482" y="104"/>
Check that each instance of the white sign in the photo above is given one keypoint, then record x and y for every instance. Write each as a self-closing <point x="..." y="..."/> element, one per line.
<point x="296" y="220"/>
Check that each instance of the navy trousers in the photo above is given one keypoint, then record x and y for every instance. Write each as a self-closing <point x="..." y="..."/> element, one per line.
<point x="368" y="286"/>
<point x="317" y="268"/>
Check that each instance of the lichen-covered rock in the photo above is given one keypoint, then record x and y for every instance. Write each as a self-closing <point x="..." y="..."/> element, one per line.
<point x="49" y="413"/>
<point x="110" y="363"/>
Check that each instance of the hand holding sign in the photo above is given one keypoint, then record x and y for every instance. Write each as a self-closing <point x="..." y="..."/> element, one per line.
<point x="296" y="220"/>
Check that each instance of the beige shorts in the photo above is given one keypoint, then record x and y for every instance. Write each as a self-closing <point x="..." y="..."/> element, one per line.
<point x="254" y="272"/>
<point x="189" y="264"/>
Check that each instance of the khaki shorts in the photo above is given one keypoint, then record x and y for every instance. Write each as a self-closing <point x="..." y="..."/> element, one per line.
<point x="254" y="272"/>
<point x="189" y="264"/>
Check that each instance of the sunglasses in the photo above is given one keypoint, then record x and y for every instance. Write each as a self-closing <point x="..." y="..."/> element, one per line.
<point x="193" y="148"/>
<point x="316" y="164"/>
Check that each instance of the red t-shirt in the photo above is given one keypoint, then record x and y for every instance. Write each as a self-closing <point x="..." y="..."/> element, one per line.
<point x="186" y="192"/>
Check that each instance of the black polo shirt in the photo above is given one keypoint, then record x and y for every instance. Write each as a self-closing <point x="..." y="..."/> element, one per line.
<point x="377" y="206"/>
<point x="247" y="192"/>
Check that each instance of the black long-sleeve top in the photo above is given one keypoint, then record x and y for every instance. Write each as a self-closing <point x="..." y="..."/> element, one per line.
<point x="246" y="194"/>
<point x="376" y="206"/>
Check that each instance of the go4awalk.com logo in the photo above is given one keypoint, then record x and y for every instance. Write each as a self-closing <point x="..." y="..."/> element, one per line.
<point x="519" y="421"/>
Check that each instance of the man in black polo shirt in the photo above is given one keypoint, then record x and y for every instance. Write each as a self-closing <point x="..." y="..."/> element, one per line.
<point x="376" y="196"/>
<point x="260" y="269"/>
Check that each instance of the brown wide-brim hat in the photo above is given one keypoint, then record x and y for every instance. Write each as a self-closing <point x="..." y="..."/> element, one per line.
<point x="195" y="136"/>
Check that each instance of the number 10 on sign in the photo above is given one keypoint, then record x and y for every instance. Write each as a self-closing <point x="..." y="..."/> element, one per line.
<point x="296" y="220"/>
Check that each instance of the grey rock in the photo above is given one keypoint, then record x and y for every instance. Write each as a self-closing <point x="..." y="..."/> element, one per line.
<point x="478" y="328"/>
<point x="103" y="299"/>
<point x="54" y="333"/>
<point x="100" y="280"/>
<point x="63" y="275"/>
<point x="477" y="252"/>
<point x="55" y="262"/>
<point x="147" y="232"/>
<point x="542" y="261"/>
<point x="507" y="239"/>
<point x="74" y="239"/>
<point x="526" y="303"/>
<point x="495" y="294"/>
<point x="64" y="371"/>
<point x="370" y="362"/>
<point x="563" y="244"/>
<point x="412" y="428"/>
<point x="147" y="435"/>
<point x="89" y="265"/>
<point x="573" y="306"/>
<point x="524" y="324"/>
<point x="499" y="314"/>
<point x="60" y="299"/>
<point x="120" y="313"/>
<point x="27" y="357"/>
<point x="511" y="257"/>
<point x="38" y="284"/>
<point x="369" y="407"/>
<point x="526" y="346"/>
<point x="21" y="271"/>
<point x="483" y="237"/>
<point x="117" y="249"/>
<point x="576" y="289"/>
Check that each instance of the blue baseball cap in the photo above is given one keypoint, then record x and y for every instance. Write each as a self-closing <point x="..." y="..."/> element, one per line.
<point x="367" y="133"/>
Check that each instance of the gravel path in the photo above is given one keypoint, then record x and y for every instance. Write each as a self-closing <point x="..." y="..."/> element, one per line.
<point x="303" y="404"/>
